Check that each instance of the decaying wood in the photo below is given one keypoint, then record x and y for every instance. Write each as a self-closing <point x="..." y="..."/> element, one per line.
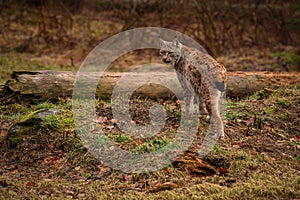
<point x="191" y="163"/>
<point x="55" y="84"/>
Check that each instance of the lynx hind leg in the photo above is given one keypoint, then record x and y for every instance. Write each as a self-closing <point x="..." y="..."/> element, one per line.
<point x="202" y="106"/>
<point x="222" y="105"/>
<point x="215" y="130"/>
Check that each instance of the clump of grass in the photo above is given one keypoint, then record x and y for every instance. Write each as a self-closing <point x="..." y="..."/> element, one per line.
<point x="44" y="105"/>
<point x="122" y="138"/>
<point x="269" y="110"/>
<point x="283" y="103"/>
<point x="289" y="57"/>
<point x="261" y="94"/>
<point x="150" y="145"/>
<point x="237" y="110"/>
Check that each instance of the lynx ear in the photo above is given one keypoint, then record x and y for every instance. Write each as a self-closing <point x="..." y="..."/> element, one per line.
<point x="176" y="43"/>
<point x="161" y="41"/>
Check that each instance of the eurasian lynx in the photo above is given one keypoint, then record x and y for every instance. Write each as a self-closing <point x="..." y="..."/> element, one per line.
<point x="198" y="74"/>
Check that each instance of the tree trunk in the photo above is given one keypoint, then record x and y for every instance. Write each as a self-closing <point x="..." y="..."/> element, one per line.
<point x="55" y="84"/>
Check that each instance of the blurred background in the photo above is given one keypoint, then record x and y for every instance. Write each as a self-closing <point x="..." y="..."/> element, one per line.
<point x="245" y="35"/>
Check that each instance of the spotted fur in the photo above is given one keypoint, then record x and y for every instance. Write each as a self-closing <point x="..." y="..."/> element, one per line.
<point x="199" y="74"/>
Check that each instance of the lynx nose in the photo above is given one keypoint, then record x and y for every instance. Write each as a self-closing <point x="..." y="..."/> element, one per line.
<point x="166" y="60"/>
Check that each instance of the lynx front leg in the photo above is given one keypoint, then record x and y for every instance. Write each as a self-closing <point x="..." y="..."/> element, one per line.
<point x="213" y="106"/>
<point x="188" y="94"/>
<point x="189" y="101"/>
<point x="215" y="116"/>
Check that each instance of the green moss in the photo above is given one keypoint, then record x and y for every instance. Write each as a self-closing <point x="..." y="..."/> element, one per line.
<point x="122" y="138"/>
<point x="289" y="58"/>
<point x="297" y="157"/>
<point x="151" y="145"/>
<point x="237" y="110"/>
<point x="259" y="95"/>
<point x="20" y="108"/>
<point x="284" y="116"/>
<point x="51" y="121"/>
<point x="283" y="103"/>
<point x="218" y="149"/>
<point x="15" y="139"/>
<point x="29" y="116"/>
<point x="242" y="67"/>
<point x="44" y="105"/>
<point x="269" y="110"/>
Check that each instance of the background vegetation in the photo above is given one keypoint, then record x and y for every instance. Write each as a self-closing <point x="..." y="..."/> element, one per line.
<point x="66" y="30"/>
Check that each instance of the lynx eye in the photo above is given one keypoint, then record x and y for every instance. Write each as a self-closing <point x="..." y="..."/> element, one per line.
<point x="171" y="54"/>
<point x="162" y="52"/>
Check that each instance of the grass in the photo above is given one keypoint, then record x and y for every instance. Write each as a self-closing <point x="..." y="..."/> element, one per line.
<point x="289" y="57"/>
<point x="251" y="178"/>
<point x="289" y="60"/>
<point x="13" y="61"/>
<point x="122" y="138"/>
<point x="252" y="161"/>
<point x="150" y="145"/>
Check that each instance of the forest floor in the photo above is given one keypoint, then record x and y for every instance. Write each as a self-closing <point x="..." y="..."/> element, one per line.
<point x="258" y="159"/>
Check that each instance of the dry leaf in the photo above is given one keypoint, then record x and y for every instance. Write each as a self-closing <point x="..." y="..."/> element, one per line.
<point x="50" y="160"/>
<point x="127" y="177"/>
<point x="161" y="101"/>
<point x="163" y="186"/>
<point x="138" y="142"/>
<point x="177" y="103"/>
<point x="295" y="139"/>
<point x="221" y="170"/>
<point x="69" y="192"/>
<point x="81" y="195"/>
<point x="47" y="180"/>
<point x="114" y="121"/>
<point x="30" y="184"/>
<point x="165" y="169"/>
<point x="102" y="119"/>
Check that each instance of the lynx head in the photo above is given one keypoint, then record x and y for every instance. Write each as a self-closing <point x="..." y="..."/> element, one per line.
<point x="170" y="51"/>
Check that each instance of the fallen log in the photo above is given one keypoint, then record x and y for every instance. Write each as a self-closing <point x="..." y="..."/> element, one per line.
<point x="56" y="84"/>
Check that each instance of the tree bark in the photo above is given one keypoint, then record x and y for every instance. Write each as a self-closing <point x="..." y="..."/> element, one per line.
<point x="56" y="84"/>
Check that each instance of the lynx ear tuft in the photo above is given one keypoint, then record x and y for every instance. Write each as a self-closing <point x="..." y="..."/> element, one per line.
<point x="176" y="43"/>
